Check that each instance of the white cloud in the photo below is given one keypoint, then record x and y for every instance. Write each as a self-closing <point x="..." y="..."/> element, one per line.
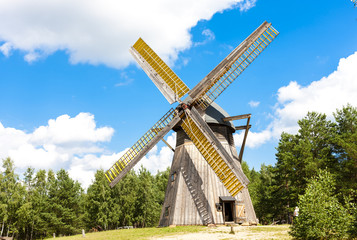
<point x="83" y="168"/>
<point x="61" y="143"/>
<point x="324" y="96"/>
<point x="73" y="144"/>
<point x="253" y="104"/>
<point x="159" y="159"/>
<point x="208" y="35"/>
<point x="32" y="57"/>
<point x="126" y="80"/>
<point x="254" y="139"/>
<point x="100" y="32"/>
<point x="246" y="5"/>
<point x="71" y="131"/>
<point x="6" y="49"/>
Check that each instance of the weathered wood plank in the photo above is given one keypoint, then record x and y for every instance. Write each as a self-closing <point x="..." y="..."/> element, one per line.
<point x="244" y="127"/>
<point x="238" y="117"/>
<point x="156" y="79"/>
<point x="244" y="139"/>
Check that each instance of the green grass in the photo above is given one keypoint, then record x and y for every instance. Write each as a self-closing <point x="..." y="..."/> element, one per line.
<point x="137" y="233"/>
<point x="275" y="228"/>
<point x="255" y="232"/>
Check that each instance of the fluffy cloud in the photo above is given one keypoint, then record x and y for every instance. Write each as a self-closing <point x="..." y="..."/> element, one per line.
<point x="60" y="144"/>
<point x="84" y="168"/>
<point x="73" y="143"/>
<point x="253" y="104"/>
<point x="100" y="32"/>
<point x="159" y="159"/>
<point x="324" y="96"/>
<point x="254" y="139"/>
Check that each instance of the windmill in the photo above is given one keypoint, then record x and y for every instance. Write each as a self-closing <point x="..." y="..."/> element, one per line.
<point x="206" y="177"/>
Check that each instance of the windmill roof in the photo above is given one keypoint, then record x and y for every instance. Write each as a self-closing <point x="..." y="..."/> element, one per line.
<point x="227" y="198"/>
<point x="214" y="114"/>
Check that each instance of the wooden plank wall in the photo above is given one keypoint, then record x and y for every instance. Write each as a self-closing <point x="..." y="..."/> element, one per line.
<point x="193" y="196"/>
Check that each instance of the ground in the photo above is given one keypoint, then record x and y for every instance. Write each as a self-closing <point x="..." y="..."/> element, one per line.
<point x="223" y="233"/>
<point x="191" y="232"/>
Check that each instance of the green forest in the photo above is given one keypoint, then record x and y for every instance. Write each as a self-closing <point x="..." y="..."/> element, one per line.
<point x="315" y="169"/>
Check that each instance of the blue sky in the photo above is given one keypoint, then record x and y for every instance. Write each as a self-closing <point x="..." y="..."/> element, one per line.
<point x="72" y="96"/>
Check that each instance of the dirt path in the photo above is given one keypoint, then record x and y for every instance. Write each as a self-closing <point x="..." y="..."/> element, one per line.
<point x="222" y="233"/>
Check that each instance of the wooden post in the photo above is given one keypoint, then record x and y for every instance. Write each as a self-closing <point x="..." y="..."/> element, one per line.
<point x="83" y="233"/>
<point x="232" y="231"/>
<point x="54" y="235"/>
<point x="245" y="138"/>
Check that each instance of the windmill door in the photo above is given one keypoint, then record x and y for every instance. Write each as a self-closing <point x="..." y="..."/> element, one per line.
<point x="228" y="208"/>
<point x="240" y="211"/>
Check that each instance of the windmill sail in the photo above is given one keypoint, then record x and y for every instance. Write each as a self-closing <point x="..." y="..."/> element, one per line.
<point x="213" y="152"/>
<point x="232" y="66"/>
<point x="141" y="147"/>
<point x="170" y="85"/>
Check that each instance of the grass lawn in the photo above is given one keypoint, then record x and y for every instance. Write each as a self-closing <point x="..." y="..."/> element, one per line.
<point x="190" y="232"/>
<point x="137" y="233"/>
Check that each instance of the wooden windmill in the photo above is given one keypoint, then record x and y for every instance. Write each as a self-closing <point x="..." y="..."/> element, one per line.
<point x="207" y="184"/>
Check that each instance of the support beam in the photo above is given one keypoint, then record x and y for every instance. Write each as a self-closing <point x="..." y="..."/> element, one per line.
<point x="238" y="117"/>
<point x="168" y="145"/>
<point x="244" y="139"/>
<point x="244" y="127"/>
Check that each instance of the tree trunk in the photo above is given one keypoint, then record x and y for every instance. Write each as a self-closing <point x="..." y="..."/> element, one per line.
<point x="33" y="222"/>
<point x="2" y="228"/>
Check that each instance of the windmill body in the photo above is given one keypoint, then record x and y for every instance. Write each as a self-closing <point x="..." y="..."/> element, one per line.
<point x="207" y="184"/>
<point x="194" y="194"/>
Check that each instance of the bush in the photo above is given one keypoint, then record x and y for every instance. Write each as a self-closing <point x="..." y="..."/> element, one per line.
<point x="321" y="216"/>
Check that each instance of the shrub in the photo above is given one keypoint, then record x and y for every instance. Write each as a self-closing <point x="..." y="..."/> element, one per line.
<point x="321" y="216"/>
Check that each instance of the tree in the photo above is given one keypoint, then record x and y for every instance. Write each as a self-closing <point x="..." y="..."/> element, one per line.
<point x="148" y="209"/>
<point x="64" y="198"/>
<point x="126" y="191"/>
<point x="41" y="205"/>
<point x="300" y="156"/>
<point x="11" y="198"/>
<point x="25" y="214"/>
<point x="255" y="182"/>
<point x="266" y="204"/>
<point x="99" y="203"/>
<point x="321" y="216"/>
<point x="160" y="183"/>
<point x="346" y="148"/>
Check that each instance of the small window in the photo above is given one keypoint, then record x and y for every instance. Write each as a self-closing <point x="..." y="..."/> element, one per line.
<point x="167" y="211"/>
<point x="173" y="177"/>
<point x="219" y="207"/>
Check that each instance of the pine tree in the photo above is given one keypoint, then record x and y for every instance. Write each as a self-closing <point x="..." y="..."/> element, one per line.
<point x="300" y="156"/>
<point x="64" y="199"/>
<point x="12" y="196"/>
<point x="41" y="206"/>
<point x="147" y="209"/>
<point x="99" y="203"/>
<point x="25" y="214"/>
<point x="346" y="148"/>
